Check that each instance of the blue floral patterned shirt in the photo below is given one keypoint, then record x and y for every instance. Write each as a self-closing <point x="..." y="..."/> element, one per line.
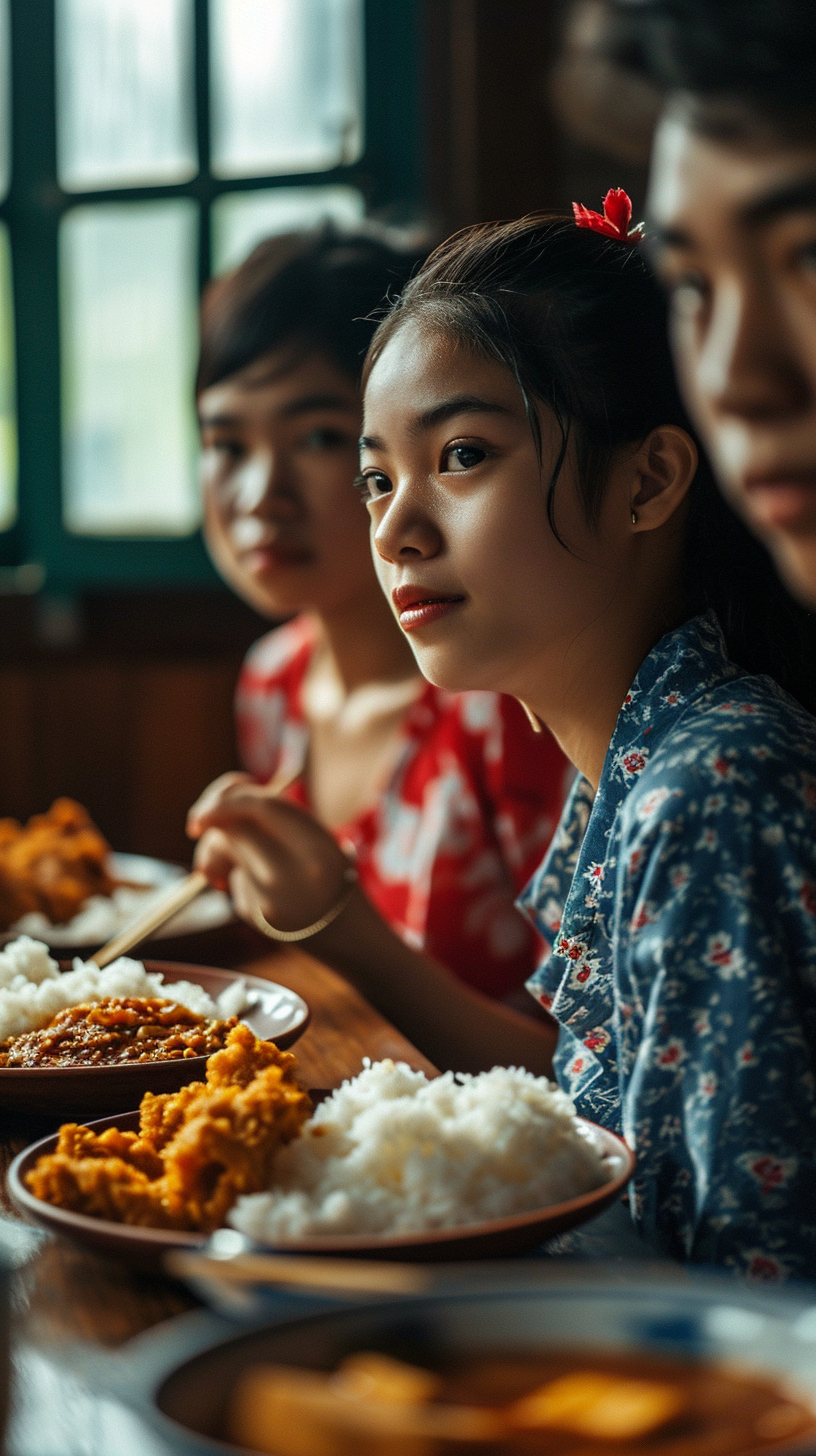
<point x="680" y="905"/>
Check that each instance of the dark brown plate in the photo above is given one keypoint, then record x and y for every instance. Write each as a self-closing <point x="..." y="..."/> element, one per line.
<point x="493" y="1239"/>
<point x="276" y="1014"/>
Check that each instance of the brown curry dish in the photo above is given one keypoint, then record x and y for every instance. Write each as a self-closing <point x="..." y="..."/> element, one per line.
<point x="557" y="1403"/>
<point x="117" y="1030"/>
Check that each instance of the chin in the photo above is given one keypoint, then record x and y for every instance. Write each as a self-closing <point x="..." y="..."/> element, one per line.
<point x="269" y="603"/>
<point x="451" y="674"/>
<point x="795" y="559"/>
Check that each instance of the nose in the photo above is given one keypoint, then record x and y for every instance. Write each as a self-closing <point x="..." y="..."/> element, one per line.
<point x="407" y="530"/>
<point x="265" y="487"/>
<point x="748" y="365"/>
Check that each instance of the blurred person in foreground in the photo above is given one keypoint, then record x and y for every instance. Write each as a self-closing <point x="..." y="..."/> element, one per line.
<point x="445" y="801"/>
<point x="732" y="209"/>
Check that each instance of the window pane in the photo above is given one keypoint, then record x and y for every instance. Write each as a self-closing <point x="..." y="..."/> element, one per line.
<point x="124" y="92"/>
<point x="128" y="354"/>
<point x="286" y="85"/>
<point x="242" y="219"/>
<point x="8" y="420"/>
<point x="5" y="100"/>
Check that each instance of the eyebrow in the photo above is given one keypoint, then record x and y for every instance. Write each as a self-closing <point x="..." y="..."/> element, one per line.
<point x="798" y="196"/>
<point x="447" y="409"/>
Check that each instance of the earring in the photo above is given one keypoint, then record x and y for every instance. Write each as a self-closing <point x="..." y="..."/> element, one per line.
<point x="532" y="718"/>
<point x="634" y="518"/>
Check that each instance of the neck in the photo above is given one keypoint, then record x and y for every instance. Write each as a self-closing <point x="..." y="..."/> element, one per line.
<point x="581" y="694"/>
<point x="363" y="644"/>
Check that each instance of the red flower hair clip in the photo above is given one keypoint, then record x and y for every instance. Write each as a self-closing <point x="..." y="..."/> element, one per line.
<point x="617" y="216"/>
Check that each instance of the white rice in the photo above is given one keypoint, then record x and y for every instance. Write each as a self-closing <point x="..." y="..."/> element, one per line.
<point x="392" y="1152"/>
<point x="32" y="989"/>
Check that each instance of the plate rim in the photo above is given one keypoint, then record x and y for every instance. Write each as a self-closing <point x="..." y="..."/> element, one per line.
<point x="8" y="1074"/>
<point x="108" y="1230"/>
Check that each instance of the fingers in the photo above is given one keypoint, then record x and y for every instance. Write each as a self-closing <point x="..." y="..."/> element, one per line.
<point x="214" y="857"/>
<point x="245" y="810"/>
<point x="210" y="798"/>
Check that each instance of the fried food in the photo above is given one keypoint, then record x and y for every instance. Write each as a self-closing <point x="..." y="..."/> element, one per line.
<point x="116" y="1030"/>
<point x="196" y="1150"/>
<point x="53" y="864"/>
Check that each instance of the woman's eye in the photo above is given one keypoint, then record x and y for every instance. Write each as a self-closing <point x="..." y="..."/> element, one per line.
<point x="807" y="256"/>
<point x="687" y="292"/>
<point x="462" y="457"/>
<point x="326" y="440"/>
<point x="372" y="485"/>
<point x="226" y="450"/>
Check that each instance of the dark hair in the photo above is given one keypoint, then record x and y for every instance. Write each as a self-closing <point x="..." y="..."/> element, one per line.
<point x="758" y="53"/>
<point x="580" y="322"/>
<point x="314" y="291"/>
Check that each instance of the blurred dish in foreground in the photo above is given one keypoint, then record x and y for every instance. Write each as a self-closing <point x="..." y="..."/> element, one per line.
<point x="389" y="1163"/>
<point x="273" y="1012"/>
<point x="563" y="1404"/>
<point x="613" y="1362"/>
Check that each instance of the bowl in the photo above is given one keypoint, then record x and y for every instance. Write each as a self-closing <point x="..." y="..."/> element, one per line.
<point x="658" y="1312"/>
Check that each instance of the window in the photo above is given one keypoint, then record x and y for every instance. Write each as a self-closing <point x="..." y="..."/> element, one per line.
<point x="150" y="143"/>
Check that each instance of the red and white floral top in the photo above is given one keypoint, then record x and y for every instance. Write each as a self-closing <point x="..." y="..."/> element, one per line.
<point x="458" y="830"/>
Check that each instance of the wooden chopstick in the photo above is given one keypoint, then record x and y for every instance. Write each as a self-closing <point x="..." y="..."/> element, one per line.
<point x="341" y="1276"/>
<point x="178" y="895"/>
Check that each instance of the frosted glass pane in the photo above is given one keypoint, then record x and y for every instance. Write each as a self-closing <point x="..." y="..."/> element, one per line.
<point x="242" y="219"/>
<point x="8" y="419"/>
<point x="124" y="92"/>
<point x="286" y="85"/>
<point x="5" y="100"/>
<point x="128" y="320"/>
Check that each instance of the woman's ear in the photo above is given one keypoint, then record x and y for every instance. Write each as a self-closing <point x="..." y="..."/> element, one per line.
<point x="660" y="475"/>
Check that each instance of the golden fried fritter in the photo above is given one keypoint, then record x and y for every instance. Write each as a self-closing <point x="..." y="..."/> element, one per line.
<point x="52" y="864"/>
<point x="196" y="1151"/>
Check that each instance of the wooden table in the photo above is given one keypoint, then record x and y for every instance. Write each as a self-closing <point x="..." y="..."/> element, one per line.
<point x="70" y="1293"/>
<point x="74" y="1310"/>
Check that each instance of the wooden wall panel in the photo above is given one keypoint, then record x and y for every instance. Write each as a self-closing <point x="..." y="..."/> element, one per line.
<point x="134" y="740"/>
<point x="16" y="741"/>
<point x="182" y="740"/>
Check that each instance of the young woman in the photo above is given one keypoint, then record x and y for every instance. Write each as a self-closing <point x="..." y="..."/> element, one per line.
<point x="733" y="206"/>
<point x="446" y="803"/>
<point x="543" y="527"/>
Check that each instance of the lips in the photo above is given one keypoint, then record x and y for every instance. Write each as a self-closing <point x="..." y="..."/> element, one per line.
<point x="276" y="555"/>
<point x="419" y="606"/>
<point x="782" y="500"/>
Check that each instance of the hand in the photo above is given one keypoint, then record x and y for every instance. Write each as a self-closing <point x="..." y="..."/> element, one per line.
<point x="272" y="855"/>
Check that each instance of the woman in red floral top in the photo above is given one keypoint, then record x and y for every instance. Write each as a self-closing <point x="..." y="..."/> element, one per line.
<point x="447" y="801"/>
<point x="460" y="824"/>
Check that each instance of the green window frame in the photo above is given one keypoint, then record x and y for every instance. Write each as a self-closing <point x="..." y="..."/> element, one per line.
<point x="388" y="174"/>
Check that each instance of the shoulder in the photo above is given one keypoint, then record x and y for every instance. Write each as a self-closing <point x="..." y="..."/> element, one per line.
<point x="743" y="755"/>
<point x="278" y="656"/>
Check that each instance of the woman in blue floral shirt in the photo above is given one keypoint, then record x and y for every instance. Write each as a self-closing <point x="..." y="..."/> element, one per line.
<point x="681" y="908"/>
<point x="542" y="527"/>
